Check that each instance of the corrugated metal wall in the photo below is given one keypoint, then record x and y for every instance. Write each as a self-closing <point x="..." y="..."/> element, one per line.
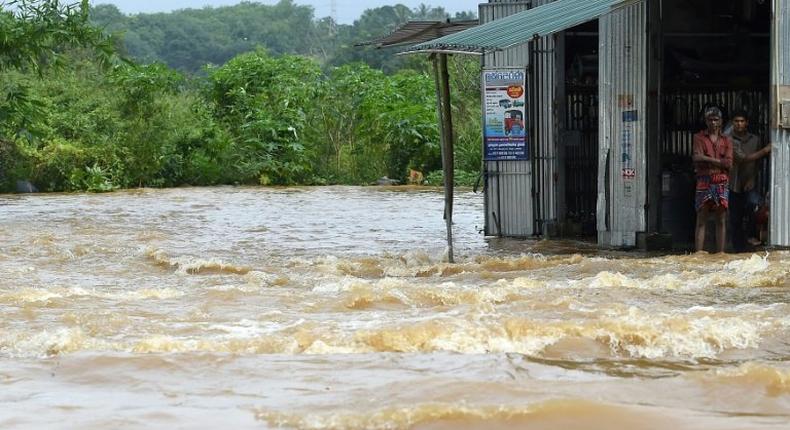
<point x="508" y="199"/>
<point x="780" y="137"/>
<point x="508" y="190"/>
<point x="622" y="160"/>
<point x="511" y="57"/>
<point x="544" y="143"/>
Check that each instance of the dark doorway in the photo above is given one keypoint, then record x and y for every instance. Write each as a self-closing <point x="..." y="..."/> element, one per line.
<point x="580" y="133"/>
<point x="715" y="52"/>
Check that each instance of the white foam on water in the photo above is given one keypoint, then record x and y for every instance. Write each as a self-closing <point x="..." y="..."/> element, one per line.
<point x="147" y="293"/>
<point x="48" y="342"/>
<point x="751" y="272"/>
<point x="246" y="328"/>
<point x="609" y="280"/>
<point x="244" y="288"/>
<point x="29" y="295"/>
<point x="680" y="335"/>
<point x="260" y="278"/>
<point x="753" y="264"/>
<point x="42" y="295"/>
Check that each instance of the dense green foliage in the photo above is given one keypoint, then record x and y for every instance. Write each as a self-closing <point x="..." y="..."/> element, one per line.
<point x="35" y="31"/>
<point x="264" y="101"/>
<point x="189" y="39"/>
<point x="264" y="116"/>
<point x="371" y="124"/>
<point x="33" y="35"/>
<point x="101" y="130"/>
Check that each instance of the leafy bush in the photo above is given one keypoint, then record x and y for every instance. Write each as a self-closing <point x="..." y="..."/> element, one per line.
<point x="257" y="119"/>
<point x="93" y="179"/>
<point x="261" y="100"/>
<point x="368" y="124"/>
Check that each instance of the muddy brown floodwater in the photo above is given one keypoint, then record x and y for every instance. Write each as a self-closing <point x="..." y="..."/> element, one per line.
<point x="325" y="308"/>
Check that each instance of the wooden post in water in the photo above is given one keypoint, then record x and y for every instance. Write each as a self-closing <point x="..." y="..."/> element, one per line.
<point x="442" y="77"/>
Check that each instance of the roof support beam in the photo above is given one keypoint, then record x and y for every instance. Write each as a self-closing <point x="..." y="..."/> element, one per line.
<point x="444" y="111"/>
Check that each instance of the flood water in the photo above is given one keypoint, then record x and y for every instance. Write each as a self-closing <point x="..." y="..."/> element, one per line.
<point x="324" y="308"/>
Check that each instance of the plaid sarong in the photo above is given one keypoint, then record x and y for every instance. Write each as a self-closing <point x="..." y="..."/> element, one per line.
<point x="712" y="190"/>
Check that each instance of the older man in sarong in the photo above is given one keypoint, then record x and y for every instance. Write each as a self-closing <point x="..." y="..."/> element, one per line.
<point x="712" y="156"/>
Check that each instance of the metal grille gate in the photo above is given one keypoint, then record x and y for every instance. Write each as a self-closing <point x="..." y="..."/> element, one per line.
<point x="581" y="156"/>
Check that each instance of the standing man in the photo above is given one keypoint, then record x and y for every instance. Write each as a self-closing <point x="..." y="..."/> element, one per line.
<point x="712" y="157"/>
<point x="743" y="178"/>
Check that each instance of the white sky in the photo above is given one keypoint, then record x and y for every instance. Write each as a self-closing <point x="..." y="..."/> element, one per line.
<point x="347" y="10"/>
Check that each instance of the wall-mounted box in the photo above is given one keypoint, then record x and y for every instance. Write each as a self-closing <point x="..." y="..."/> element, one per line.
<point x="783" y="106"/>
<point x="784" y="113"/>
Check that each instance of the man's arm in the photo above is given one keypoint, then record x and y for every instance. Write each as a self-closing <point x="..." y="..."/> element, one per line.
<point x="726" y="162"/>
<point x="756" y="155"/>
<point x="698" y="154"/>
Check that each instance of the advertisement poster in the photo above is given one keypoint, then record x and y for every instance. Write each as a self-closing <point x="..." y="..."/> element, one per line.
<point x="504" y="104"/>
<point x="629" y="172"/>
<point x="627" y="145"/>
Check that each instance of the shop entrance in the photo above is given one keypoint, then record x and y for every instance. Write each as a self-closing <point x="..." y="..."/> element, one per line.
<point x="579" y="135"/>
<point x="714" y="53"/>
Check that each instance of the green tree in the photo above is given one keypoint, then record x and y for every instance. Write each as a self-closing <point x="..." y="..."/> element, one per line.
<point x="369" y="124"/>
<point x="373" y="23"/>
<point x="131" y="126"/>
<point x="409" y="124"/>
<point x="189" y="39"/>
<point x="35" y="31"/>
<point x="344" y="152"/>
<point x="34" y="34"/>
<point x="261" y="117"/>
<point x="263" y="100"/>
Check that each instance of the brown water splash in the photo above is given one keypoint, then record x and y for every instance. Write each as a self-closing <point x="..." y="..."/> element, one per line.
<point x="194" y="266"/>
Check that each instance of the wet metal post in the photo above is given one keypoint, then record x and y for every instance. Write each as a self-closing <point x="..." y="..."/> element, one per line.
<point x="544" y="143"/>
<point x="446" y="133"/>
<point x="779" y="232"/>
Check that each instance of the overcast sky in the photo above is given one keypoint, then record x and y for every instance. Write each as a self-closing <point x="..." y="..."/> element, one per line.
<point x="347" y="10"/>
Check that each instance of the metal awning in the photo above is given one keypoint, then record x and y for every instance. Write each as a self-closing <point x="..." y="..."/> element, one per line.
<point x="522" y="27"/>
<point x="421" y="31"/>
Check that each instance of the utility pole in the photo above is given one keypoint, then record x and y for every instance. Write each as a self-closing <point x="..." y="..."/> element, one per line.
<point x="333" y="17"/>
<point x="444" y="113"/>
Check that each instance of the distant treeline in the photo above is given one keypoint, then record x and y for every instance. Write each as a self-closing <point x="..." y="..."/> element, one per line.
<point x="274" y="112"/>
<point x="189" y="39"/>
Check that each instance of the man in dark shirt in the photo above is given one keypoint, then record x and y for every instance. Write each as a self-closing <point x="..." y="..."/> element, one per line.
<point x="712" y="157"/>
<point x="743" y="179"/>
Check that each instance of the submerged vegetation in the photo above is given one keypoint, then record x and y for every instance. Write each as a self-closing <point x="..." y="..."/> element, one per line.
<point x="278" y="110"/>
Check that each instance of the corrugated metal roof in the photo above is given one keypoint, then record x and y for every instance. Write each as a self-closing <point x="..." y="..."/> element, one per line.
<point x="420" y="31"/>
<point x="523" y="26"/>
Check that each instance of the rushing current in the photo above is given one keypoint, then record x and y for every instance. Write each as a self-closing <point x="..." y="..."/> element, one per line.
<point x="334" y="308"/>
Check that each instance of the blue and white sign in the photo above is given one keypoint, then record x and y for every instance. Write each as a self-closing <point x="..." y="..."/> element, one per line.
<point x="504" y="104"/>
